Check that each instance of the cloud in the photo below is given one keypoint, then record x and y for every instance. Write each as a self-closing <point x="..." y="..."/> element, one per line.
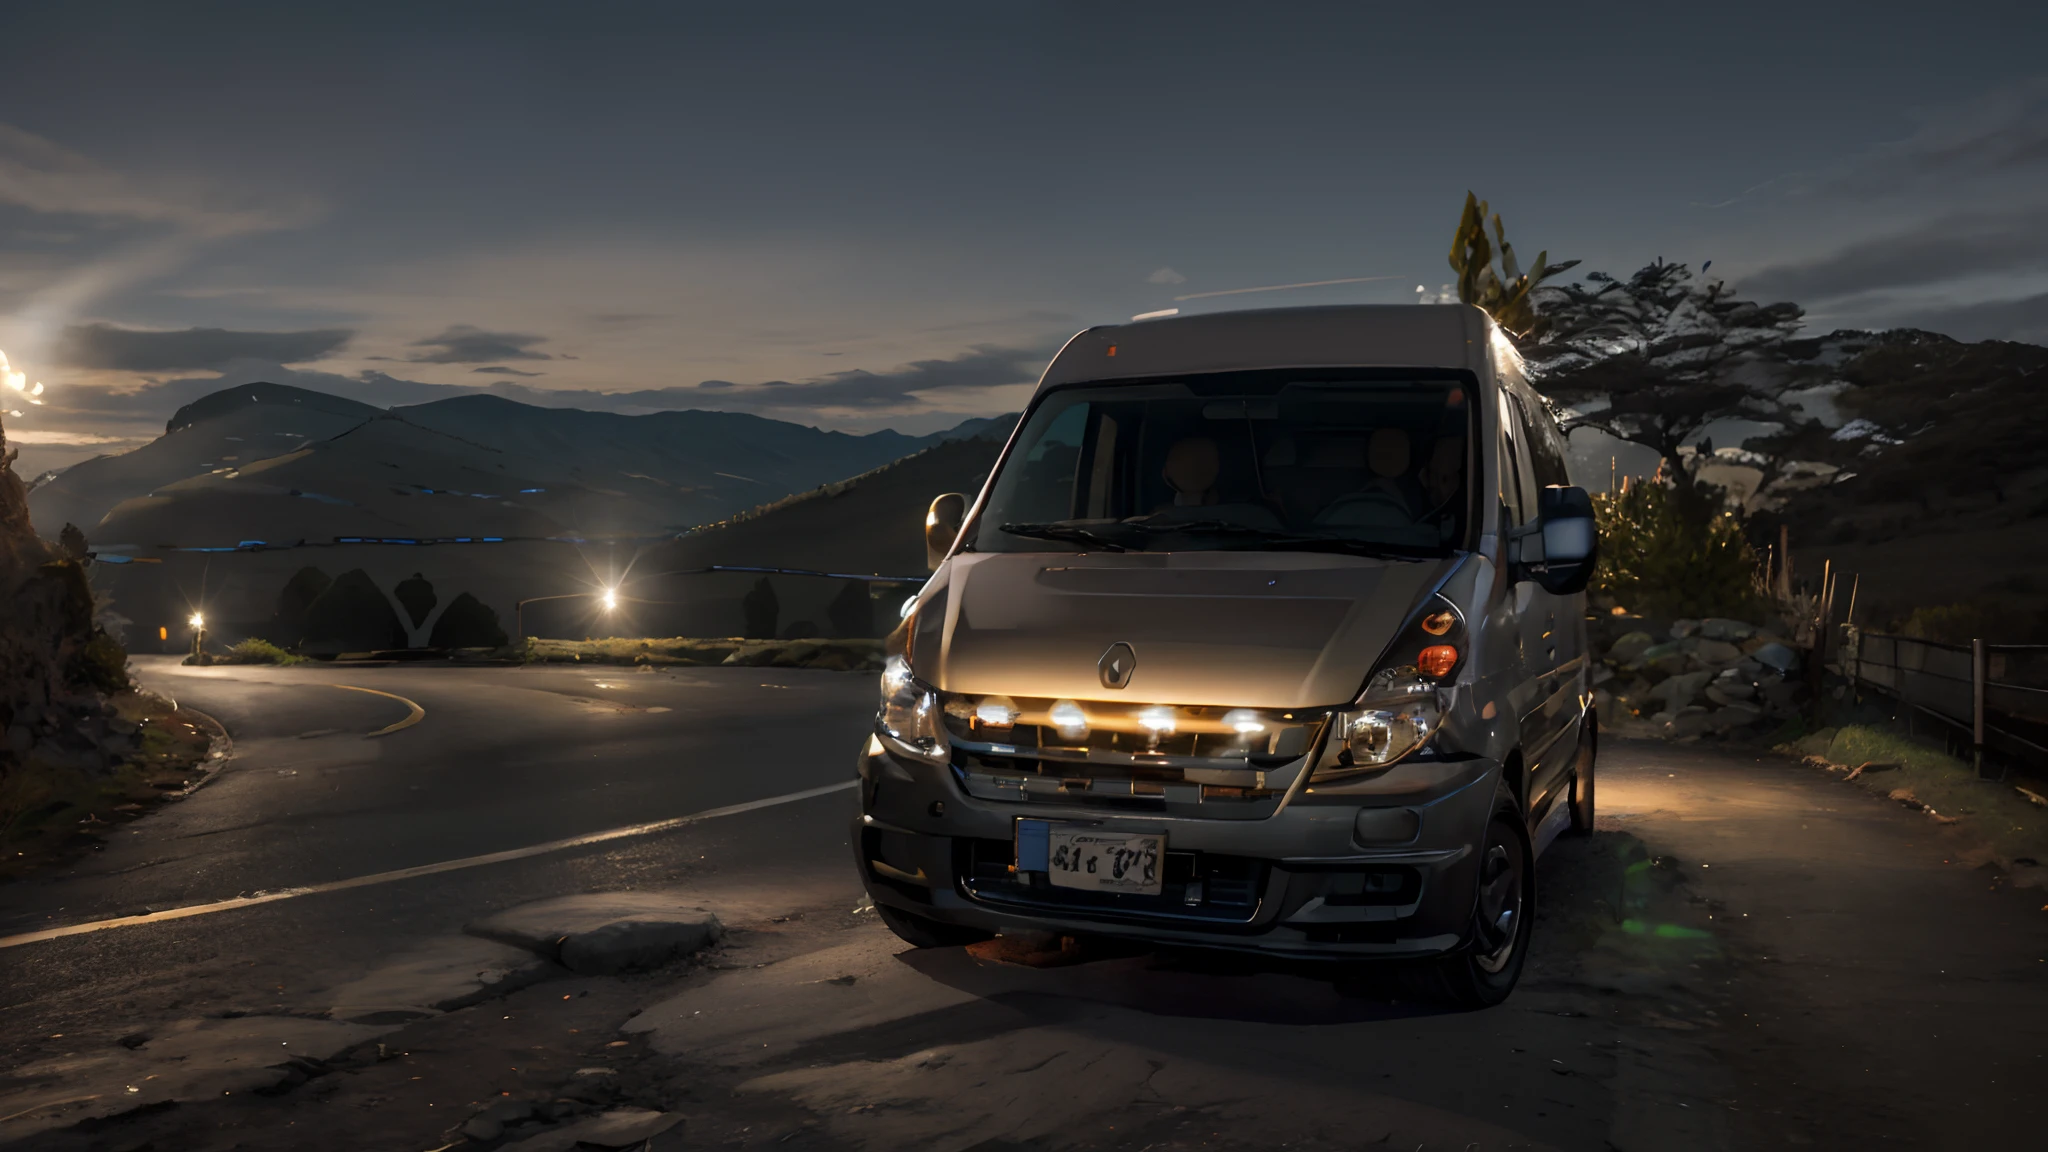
<point x="2000" y="133"/>
<point x="43" y="177"/>
<point x="1166" y="276"/>
<point x="867" y="400"/>
<point x="1947" y="248"/>
<point x="984" y="366"/>
<point x="106" y="346"/>
<point x="464" y="344"/>
<point x="66" y="439"/>
<point x="501" y="370"/>
<point x="2022" y="319"/>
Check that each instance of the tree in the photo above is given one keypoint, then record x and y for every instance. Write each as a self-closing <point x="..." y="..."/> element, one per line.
<point x="352" y="615"/>
<point x="1657" y="358"/>
<point x="1505" y="295"/>
<point x="468" y="622"/>
<point x="416" y="595"/>
<point x="72" y="542"/>
<point x="288" y="623"/>
<point x="761" y="608"/>
<point x="852" y="611"/>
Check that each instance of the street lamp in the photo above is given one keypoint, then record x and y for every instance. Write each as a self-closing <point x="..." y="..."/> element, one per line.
<point x="198" y="623"/>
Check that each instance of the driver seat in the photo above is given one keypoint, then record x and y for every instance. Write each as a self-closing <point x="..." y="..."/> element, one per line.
<point x="1191" y="467"/>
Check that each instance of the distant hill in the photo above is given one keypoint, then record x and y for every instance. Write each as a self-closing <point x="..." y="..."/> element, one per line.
<point x="872" y="524"/>
<point x="583" y="473"/>
<point x="221" y="431"/>
<point x="501" y="500"/>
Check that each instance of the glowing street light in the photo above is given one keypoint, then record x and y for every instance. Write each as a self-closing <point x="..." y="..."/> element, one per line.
<point x="198" y="623"/>
<point x="608" y="600"/>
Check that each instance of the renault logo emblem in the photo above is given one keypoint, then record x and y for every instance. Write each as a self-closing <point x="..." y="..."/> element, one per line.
<point x="1116" y="665"/>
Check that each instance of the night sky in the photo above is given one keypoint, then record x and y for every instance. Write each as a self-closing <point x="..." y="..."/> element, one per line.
<point x="887" y="215"/>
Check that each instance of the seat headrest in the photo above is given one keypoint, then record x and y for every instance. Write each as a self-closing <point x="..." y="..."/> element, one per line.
<point x="1191" y="467"/>
<point x="1389" y="454"/>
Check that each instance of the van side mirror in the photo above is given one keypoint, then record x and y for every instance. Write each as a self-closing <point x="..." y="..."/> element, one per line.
<point x="1571" y="540"/>
<point x="942" y="527"/>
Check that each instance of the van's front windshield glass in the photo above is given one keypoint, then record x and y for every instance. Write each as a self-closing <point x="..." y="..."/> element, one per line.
<point x="1336" y="461"/>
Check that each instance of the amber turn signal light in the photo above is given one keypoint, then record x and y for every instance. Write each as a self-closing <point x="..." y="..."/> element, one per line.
<point x="1437" y="660"/>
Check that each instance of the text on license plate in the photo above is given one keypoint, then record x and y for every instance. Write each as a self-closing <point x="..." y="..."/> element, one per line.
<point x="1077" y="856"/>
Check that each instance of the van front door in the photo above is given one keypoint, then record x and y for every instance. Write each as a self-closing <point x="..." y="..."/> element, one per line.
<point x="1540" y="691"/>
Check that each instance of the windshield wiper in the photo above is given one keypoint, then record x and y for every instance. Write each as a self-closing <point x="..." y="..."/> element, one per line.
<point x="1283" y="538"/>
<point x="1070" y="533"/>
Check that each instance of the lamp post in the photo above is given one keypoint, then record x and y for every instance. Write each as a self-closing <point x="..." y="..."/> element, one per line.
<point x="198" y="623"/>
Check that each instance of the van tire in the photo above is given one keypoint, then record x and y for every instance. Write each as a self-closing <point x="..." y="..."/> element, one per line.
<point x="1482" y="972"/>
<point x="1583" y="776"/>
<point x="919" y="932"/>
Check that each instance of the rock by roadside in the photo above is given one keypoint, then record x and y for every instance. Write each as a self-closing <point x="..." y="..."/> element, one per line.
<point x="602" y="933"/>
<point x="1692" y="678"/>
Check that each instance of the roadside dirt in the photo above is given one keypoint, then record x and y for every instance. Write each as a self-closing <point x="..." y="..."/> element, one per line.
<point x="49" y="815"/>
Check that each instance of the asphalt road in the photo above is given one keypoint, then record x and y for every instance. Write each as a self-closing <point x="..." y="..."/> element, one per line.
<point x="1747" y="954"/>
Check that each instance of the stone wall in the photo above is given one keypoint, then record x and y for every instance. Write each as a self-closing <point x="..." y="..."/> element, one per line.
<point x="1692" y="678"/>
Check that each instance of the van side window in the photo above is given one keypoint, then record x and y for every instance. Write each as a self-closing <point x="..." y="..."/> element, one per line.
<point x="1546" y="447"/>
<point x="1517" y="485"/>
<point x="1048" y="469"/>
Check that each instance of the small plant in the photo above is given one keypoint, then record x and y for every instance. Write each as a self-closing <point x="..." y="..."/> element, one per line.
<point x="256" y="650"/>
<point x="1660" y="556"/>
<point x="103" y="663"/>
<point x="1503" y="294"/>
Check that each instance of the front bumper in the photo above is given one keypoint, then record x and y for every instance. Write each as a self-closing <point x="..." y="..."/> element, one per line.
<point x="1308" y="881"/>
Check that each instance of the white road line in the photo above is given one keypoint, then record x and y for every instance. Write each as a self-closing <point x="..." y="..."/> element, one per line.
<point x="418" y="713"/>
<point x="420" y="870"/>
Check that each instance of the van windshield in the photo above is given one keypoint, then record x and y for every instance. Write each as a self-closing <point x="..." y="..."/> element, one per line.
<point x="1341" y="461"/>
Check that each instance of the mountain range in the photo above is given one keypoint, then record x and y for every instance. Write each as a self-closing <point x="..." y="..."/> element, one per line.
<point x="277" y="465"/>
<point x="506" y="501"/>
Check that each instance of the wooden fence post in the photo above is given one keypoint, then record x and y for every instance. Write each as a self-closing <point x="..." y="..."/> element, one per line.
<point x="1977" y="677"/>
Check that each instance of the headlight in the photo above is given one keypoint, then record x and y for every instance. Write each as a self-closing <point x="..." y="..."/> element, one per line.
<point x="908" y="723"/>
<point x="1396" y="715"/>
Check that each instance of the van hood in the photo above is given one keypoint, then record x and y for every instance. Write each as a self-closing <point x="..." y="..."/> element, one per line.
<point x="1230" y="629"/>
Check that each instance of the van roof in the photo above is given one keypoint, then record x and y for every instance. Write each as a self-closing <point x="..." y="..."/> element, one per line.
<point x="1337" y="335"/>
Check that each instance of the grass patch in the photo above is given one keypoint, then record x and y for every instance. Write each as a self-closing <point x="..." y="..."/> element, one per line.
<point x="696" y="652"/>
<point x="2010" y="825"/>
<point x="50" y="810"/>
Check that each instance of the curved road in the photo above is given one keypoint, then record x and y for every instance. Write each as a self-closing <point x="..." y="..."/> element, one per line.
<point x="1747" y="954"/>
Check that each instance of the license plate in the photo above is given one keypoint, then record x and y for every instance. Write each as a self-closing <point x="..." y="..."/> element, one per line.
<point x="1078" y="856"/>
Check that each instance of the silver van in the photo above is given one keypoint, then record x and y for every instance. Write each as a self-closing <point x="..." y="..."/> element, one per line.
<point x="1267" y="633"/>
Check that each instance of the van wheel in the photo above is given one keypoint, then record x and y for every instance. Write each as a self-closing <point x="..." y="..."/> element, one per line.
<point x="919" y="932"/>
<point x="1582" y="777"/>
<point x="1484" y="971"/>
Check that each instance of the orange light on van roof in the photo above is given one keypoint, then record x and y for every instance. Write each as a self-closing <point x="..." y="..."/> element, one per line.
<point x="1437" y="660"/>
<point x="1112" y="349"/>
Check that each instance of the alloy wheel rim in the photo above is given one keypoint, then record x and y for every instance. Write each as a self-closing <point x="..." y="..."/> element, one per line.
<point x="1500" y="906"/>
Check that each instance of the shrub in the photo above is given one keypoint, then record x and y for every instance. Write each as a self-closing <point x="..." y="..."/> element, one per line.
<point x="256" y="650"/>
<point x="1990" y="617"/>
<point x="1659" y="559"/>
<point x="103" y="663"/>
